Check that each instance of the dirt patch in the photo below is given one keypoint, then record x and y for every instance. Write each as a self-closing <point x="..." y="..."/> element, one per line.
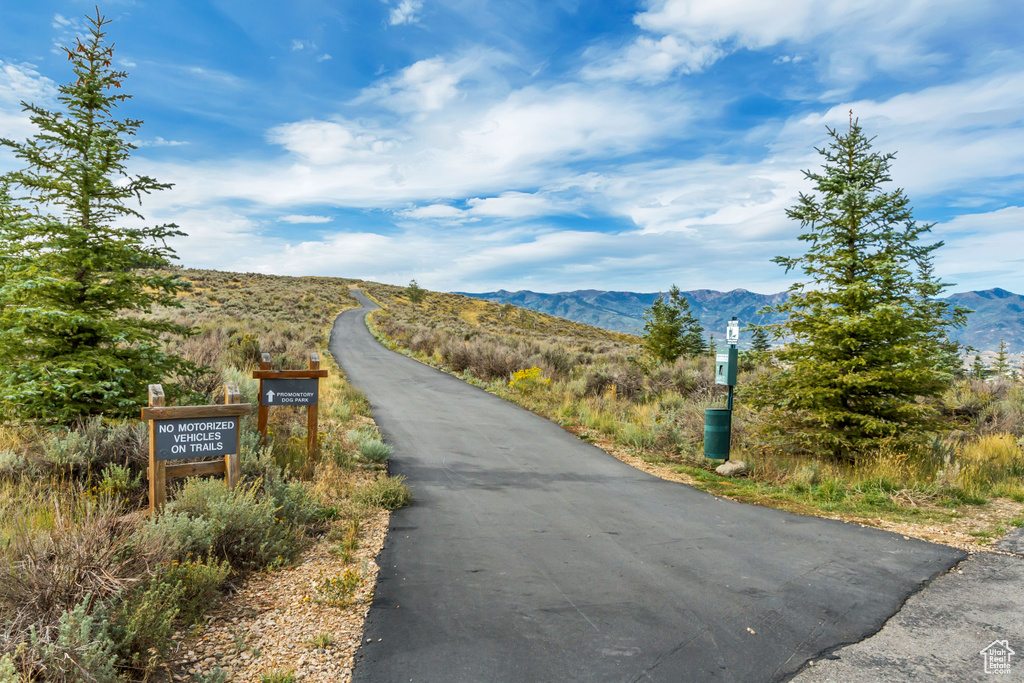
<point x="979" y="519"/>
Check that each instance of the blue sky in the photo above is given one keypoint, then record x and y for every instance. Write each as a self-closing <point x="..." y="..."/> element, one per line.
<point x="549" y="145"/>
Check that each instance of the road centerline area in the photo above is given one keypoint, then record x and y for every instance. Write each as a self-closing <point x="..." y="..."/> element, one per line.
<point x="530" y="555"/>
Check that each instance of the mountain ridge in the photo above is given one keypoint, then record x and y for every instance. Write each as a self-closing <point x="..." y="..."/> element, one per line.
<point x="998" y="313"/>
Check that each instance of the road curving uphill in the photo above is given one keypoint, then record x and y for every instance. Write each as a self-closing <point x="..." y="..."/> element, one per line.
<point x="529" y="555"/>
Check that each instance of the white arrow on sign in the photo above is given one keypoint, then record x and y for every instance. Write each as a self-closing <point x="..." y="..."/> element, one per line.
<point x="270" y="396"/>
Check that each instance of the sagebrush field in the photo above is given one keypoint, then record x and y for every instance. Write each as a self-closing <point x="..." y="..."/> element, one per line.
<point x="91" y="589"/>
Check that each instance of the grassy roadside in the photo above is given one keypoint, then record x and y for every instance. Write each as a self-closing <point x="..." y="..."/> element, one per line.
<point x="91" y="588"/>
<point x="966" y="488"/>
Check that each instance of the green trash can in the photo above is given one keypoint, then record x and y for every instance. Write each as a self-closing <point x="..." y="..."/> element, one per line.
<point x="717" y="427"/>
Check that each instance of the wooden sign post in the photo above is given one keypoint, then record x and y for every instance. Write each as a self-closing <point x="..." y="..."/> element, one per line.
<point x="290" y="388"/>
<point x="185" y="432"/>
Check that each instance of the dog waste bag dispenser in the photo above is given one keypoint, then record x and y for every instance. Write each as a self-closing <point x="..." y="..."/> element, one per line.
<point x="718" y="421"/>
<point x="725" y="367"/>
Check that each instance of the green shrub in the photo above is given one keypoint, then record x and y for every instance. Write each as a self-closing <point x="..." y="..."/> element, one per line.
<point x="117" y="480"/>
<point x="244" y="350"/>
<point x="294" y="503"/>
<point x="177" y="591"/>
<point x="14" y="465"/>
<point x="92" y="444"/>
<point x="8" y="674"/>
<point x="82" y="651"/>
<point x="218" y="675"/>
<point x="68" y="451"/>
<point x="830" y="491"/>
<point x="374" y="451"/>
<point x="635" y="435"/>
<point x="257" y="461"/>
<point x="248" y="388"/>
<point x="387" y="493"/>
<point x="209" y="520"/>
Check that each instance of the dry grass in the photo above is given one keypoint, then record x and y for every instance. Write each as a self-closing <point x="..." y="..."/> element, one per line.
<point x="87" y="548"/>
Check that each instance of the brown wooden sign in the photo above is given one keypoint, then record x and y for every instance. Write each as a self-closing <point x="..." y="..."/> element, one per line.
<point x="290" y="388"/>
<point x="183" y="432"/>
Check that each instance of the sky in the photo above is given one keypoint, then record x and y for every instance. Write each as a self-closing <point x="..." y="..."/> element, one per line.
<point x="549" y="145"/>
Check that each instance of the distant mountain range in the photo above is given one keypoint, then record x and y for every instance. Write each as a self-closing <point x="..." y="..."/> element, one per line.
<point x="998" y="314"/>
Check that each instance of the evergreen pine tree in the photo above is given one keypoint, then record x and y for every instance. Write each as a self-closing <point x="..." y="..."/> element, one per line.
<point x="865" y="329"/>
<point x="415" y="293"/>
<point x="759" y="340"/>
<point x="978" y="368"/>
<point x="74" y="287"/>
<point x="1001" y="365"/>
<point x="670" y="328"/>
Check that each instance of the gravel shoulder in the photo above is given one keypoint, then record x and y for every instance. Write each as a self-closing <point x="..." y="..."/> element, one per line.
<point x="269" y="625"/>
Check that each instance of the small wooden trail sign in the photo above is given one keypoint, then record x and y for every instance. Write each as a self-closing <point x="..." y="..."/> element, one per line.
<point x="290" y="388"/>
<point x="181" y="432"/>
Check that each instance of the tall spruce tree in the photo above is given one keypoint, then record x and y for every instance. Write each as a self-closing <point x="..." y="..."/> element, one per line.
<point x="75" y="285"/>
<point x="864" y="331"/>
<point x="758" y="340"/>
<point x="1001" y="364"/>
<point x="670" y="328"/>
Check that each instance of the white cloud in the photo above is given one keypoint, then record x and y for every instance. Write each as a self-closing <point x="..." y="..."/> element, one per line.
<point x="441" y="212"/>
<point x="851" y="37"/>
<point x="329" y="142"/>
<point x="425" y="86"/>
<point x="159" y="142"/>
<point x="67" y="30"/>
<point x="525" y="139"/>
<point x="21" y="83"/>
<point x="650" y="60"/>
<point x="506" y="206"/>
<point x="536" y="124"/>
<point x="214" y="235"/>
<point x="981" y="249"/>
<point x="977" y="139"/>
<point x="309" y="46"/>
<point x="405" y="12"/>
<point x="297" y="218"/>
<point x="511" y="205"/>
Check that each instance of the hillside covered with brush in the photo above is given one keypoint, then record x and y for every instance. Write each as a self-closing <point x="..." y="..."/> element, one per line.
<point x="997" y="314"/>
<point x="603" y="387"/>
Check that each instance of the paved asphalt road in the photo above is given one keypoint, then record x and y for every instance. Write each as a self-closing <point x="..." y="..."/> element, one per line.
<point x="940" y="633"/>
<point x="529" y="555"/>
